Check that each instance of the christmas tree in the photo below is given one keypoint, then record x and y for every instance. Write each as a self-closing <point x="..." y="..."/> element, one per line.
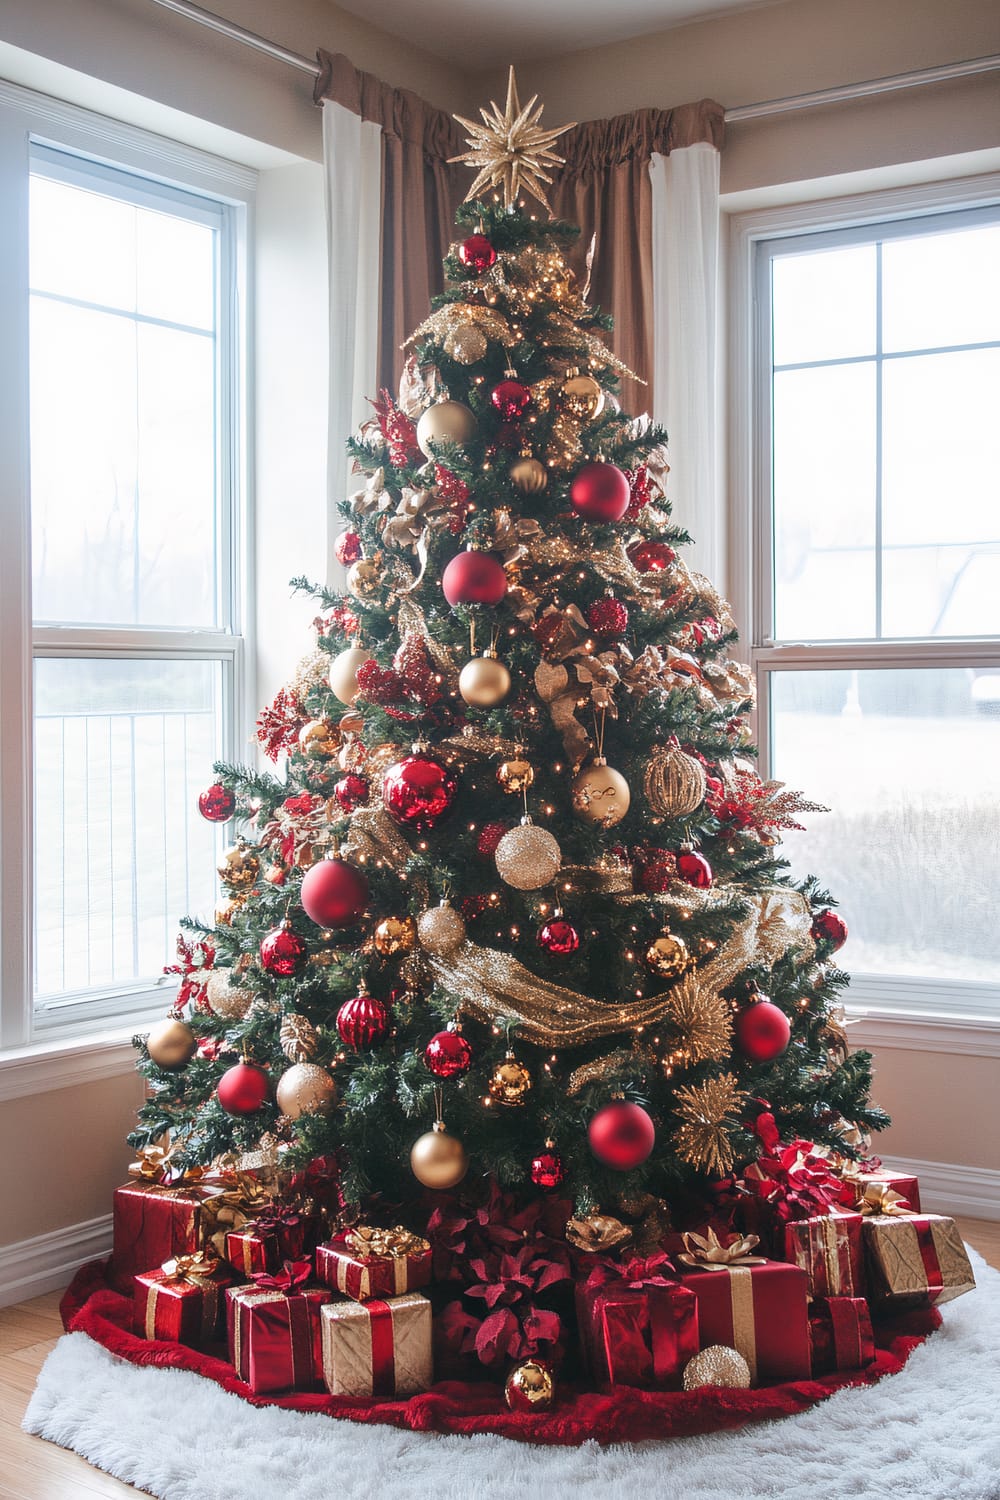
<point x="512" y="912"/>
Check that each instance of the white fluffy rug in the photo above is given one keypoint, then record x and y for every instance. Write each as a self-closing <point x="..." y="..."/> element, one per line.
<point x="929" y="1433"/>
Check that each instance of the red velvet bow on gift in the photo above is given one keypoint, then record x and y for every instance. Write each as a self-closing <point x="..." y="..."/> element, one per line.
<point x="274" y="1216"/>
<point x="795" y="1182"/>
<point x="293" y="1274"/>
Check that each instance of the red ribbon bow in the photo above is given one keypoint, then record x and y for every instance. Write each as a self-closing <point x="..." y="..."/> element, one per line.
<point x="639" y="1271"/>
<point x="288" y="1280"/>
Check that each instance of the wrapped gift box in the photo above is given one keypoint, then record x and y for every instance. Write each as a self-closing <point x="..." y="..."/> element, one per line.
<point x="639" y="1332"/>
<point x="295" y="1228"/>
<point x="153" y="1224"/>
<point x="251" y="1251"/>
<point x="381" y="1347"/>
<point x="907" y="1188"/>
<point x="758" y="1307"/>
<point x="182" y="1301"/>
<point x="829" y="1249"/>
<point x="363" y="1263"/>
<point x="916" y="1256"/>
<point x="840" y="1332"/>
<point x="275" y="1341"/>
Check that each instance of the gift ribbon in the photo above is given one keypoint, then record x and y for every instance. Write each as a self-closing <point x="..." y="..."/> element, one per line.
<point x="853" y="1343"/>
<point x="597" y="1234"/>
<point x="924" y="1231"/>
<point x="672" y="1329"/>
<point x="826" y="1256"/>
<point x="292" y="1275"/>
<point x="707" y="1253"/>
<point x="399" y="1242"/>
<point x="383" y="1348"/>
<point x="245" y="1241"/>
<point x="876" y="1197"/>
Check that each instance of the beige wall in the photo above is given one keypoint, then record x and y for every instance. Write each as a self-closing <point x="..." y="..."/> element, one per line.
<point x="943" y="1108"/>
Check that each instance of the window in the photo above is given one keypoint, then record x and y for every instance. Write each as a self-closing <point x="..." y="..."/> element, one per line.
<point x="877" y="586"/>
<point x="130" y="379"/>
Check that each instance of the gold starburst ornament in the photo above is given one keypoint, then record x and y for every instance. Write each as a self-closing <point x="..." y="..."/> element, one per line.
<point x="510" y="149"/>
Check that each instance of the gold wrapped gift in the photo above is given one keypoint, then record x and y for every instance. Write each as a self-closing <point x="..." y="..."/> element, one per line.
<point x="378" y="1348"/>
<point x="917" y="1255"/>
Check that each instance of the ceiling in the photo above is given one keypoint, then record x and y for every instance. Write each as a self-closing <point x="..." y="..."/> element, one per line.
<point x="487" y="33"/>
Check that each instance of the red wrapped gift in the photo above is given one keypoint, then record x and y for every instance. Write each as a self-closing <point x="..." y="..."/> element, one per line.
<point x="758" y="1307"/>
<point x="275" y="1341"/>
<point x="828" y="1248"/>
<point x="916" y="1256"/>
<point x="153" y="1223"/>
<point x="295" y="1227"/>
<point x="378" y="1348"/>
<point x="182" y="1301"/>
<point x="251" y="1251"/>
<point x="840" y="1331"/>
<point x="637" y="1326"/>
<point x="363" y="1262"/>
<point x="868" y="1192"/>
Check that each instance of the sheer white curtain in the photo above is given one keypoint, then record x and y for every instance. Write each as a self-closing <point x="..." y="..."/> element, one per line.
<point x="685" y="353"/>
<point x="352" y="154"/>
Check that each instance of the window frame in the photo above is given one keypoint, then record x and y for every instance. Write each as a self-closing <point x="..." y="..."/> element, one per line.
<point x="31" y="127"/>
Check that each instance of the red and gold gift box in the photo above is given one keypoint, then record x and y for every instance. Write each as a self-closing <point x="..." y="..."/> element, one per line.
<point x="181" y="1301"/>
<point x="639" y="1332"/>
<point x="870" y="1188"/>
<point x="251" y="1251"/>
<point x="381" y="1347"/>
<point x="758" y="1307"/>
<point x="153" y="1224"/>
<point x="274" y="1337"/>
<point x="364" y="1263"/>
<point x="829" y="1249"/>
<point x="916" y="1256"/>
<point x="840" y="1331"/>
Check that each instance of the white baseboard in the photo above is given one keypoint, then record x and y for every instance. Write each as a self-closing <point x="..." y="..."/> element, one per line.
<point x="954" y="1190"/>
<point x="46" y="1262"/>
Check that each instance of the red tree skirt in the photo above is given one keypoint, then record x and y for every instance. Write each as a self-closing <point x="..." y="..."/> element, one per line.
<point x="91" y="1306"/>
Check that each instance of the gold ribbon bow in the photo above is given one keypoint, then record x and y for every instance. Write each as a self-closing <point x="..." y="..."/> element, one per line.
<point x="240" y="1199"/>
<point x="190" y="1267"/>
<point x="367" y="1243"/>
<point x="598" y="1234"/>
<point x="152" y="1163"/>
<point x="707" y="1252"/>
<point x="876" y="1197"/>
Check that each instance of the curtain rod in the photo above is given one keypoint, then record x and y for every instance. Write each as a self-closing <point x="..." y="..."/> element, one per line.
<point x="768" y="107"/>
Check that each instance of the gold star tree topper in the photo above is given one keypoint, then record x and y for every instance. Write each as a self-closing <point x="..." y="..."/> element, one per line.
<point x="511" y="150"/>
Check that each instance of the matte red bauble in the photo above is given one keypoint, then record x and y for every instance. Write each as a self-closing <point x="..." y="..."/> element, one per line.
<point x="510" y="398"/>
<point x="547" y="1170"/>
<point x="362" y="1022"/>
<point x="351" y="791"/>
<point x="282" y="952"/>
<point x="334" y="893"/>
<point x="418" y="791"/>
<point x="651" y="557"/>
<point x="347" y="548"/>
<point x="243" y="1089"/>
<point x="599" y="492"/>
<point x="217" y="804"/>
<point x="477" y="254"/>
<point x="829" y="927"/>
<point x="762" y="1031"/>
<point x="474" y="578"/>
<point x="489" y="837"/>
<point x="559" y="937"/>
<point x="694" y="868"/>
<point x="447" y="1054"/>
<point x="608" y="617"/>
<point x="621" y="1135"/>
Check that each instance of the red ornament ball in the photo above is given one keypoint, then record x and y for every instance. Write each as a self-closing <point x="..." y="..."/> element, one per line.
<point x="334" y="893"/>
<point x="218" y="804"/>
<point x="418" y="791"/>
<point x="599" y="492"/>
<point x="547" y="1171"/>
<point x="477" y="254"/>
<point x="474" y="578"/>
<point x="694" y="868"/>
<point x="282" y="952"/>
<point x="621" y="1135"/>
<point x="243" y="1089"/>
<point x="654" y="870"/>
<point x="558" y="937"/>
<point x="351" y="791"/>
<point x="489" y="837"/>
<point x="510" y="398"/>
<point x="829" y="927"/>
<point x="447" y="1054"/>
<point x="651" y="557"/>
<point x="347" y="548"/>
<point x="762" y="1031"/>
<point x="607" y="617"/>
<point x="362" y="1022"/>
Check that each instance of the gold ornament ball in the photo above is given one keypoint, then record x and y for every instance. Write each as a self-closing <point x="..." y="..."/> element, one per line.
<point x="445" y="422"/>
<point x="529" y="476"/>
<point x="171" y="1044"/>
<point x="438" y="1160"/>
<point x="528" y="857"/>
<point x="466" y="344"/>
<point x="581" y="396"/>
<point x="395" y="935"/>
<point x="531" y="1385"/>
<point x="484" y="681"/>
<point x="318" y="739"/>
<point x="674" y="783"/>
<point x="239" y="868"/>
<point x="441" y="930"/>
<point x="226" y="911"/>
<point x="380" y="758"/>
<point x="225" y="998"/>
<point x="344" y="672"/>
<point x="364" y="578"/>
<point x="717" y="1365"/>
<point x="510" y="1081"/>
<point x="668" y="956"/>
<point x="305" y="1089"/>
<point x="515" y="776"/>
<point x="600" y="794"/>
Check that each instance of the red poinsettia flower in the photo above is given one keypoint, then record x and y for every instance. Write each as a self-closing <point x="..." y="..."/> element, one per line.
<point x="795" y="1183"/>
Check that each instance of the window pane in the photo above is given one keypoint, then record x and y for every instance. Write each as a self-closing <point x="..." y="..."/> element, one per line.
<point x="824" y="502"/>
<point x="824" y="305"/>
<point x="941" y="289"/>
<point x="941" y="494"/>
<point x="909" y="761"/>
<point x="122" y="749"/>
<point x="175" y="265"/>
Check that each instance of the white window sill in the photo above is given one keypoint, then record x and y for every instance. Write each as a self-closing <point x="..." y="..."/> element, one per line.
<point x="41" y="1067"/>
<point x="871" y="1027"/>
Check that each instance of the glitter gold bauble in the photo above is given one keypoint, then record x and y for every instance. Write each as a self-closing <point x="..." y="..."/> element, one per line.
<point x="444" y="422"/>
<point x="441" y="930"/>
<point x="484" y="681"/>
<point x="717" y="1365"/>
<point x="318" y="739"/>
<point x="531" y="1386"/>
<point x="364" y="578"/>
<point x="674" y="783"/>
<point x="299" y="1038"/>
<point x="378" y="760"/>
<point x="529" y="475"/>
<point x="438" y="1160"/>
<point x="600" y="794"/>
<point x="668" y="956"/>
<point x="171" y="1044"/>
<point x="305" y="1089"/>
<point x="466" y="344"/>
<point x="581" y="396"/>
<point x="510" y="1081"/>
<point x="395" y="935"/>
<point x="239" y="867"/>
<point x="226" y="998"/>
<point x="515" y="776"/>
<point x="528" y="857"/>
<point x="344" y="672"/>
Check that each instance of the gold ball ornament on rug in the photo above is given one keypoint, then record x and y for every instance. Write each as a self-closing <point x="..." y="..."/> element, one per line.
<point x="531" y="1386"/>
<point x="437" y="1159"/>
<point x="364" y="578"/>
<point x="305" y="1089"/>
<point x="484" y="681"/>
<point x="581" y="396"/>
<point x="319" y="739"/>
<point x="667" y="956"/>
<point x="717" y="1365"/>
<point x="529" y="475"/>
<point x="600" y="794"/>
<point x="674" y="783"/>
<point x="445" y="422"/>
<point x="515" y="776"/>
<point x="239" y="867"/>
<point x="441" y="930"/>
<point x="344" y="672"/>
<point x="171" y="1043"/>
<point x="510" y="1081"/>
<point x="528" y="857"/>
<point x="227" y="999"/>
<point x="466" y="344"/>
<point x="395" y="935"/>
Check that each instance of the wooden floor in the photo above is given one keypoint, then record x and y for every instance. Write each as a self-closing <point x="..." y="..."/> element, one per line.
<point x="34" y="1470"/>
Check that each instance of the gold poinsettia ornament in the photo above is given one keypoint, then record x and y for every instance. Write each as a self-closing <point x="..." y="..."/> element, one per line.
<point x="511" y="149"/>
